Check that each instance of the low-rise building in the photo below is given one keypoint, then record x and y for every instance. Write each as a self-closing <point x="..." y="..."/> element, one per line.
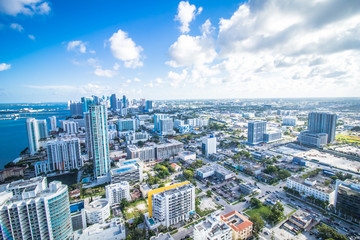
<point x="114" y="230"/>
<point x="169" y="149"/>
<point x="219" y="171"/>
<point x="248" y="188"/>
<point x="128" y="170"/>
<point x="240" y="225"/>
<point x="315" y="187"/>
<point x="144" y="189"/>
<point x="146" y="153"/>
<point x="212" y="229"/>
<point x="11" y="173"/>
<point x="313" y="139"/>
<point x="176" y="167"/>
<point x="272" y="136"/>
<point x="187" y="156"/>
<point x="301" y="219"/>
<point x="162" y="236"/>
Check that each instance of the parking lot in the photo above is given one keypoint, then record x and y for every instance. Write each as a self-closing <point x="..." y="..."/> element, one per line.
<point x="228" y="190"/>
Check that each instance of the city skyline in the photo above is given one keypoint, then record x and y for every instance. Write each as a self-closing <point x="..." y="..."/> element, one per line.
<point x="178" y="49"/>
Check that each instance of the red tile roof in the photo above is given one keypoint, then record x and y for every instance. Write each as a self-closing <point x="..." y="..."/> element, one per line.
<point x="240" y="227"/>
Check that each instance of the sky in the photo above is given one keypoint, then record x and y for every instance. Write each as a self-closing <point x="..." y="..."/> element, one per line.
<point x="53" y="51"/>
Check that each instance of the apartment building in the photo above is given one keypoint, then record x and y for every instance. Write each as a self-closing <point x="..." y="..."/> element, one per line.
<point x="127" y="170"/>
<point x="31" y="209"/>
<point x="315" y="187"/>
<point x="117" y="191"/>
<point x="240" y="225"/>
<point x="170" y="205"/>
<point x="212" y="229"/>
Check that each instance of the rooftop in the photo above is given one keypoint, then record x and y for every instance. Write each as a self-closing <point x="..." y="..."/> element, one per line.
<point x="317" y="182"/>
<point x="236" y="221"/>
<point x="96" y="205"/>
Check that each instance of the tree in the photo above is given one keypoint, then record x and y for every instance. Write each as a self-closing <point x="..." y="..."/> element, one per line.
<point x="188" y="174"/>
<point x="258" y="223"/>
<point x="209" y="193"/>
<point x="283" y="174"/>
<point x="124" y="203"/>
<point x="255" y="202"/>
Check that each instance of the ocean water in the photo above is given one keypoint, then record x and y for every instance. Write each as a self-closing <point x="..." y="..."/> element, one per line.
<point x="13" y="136"/>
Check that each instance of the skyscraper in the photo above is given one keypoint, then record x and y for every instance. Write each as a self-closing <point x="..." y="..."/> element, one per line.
<point x="53" y="123"/>
<point x="125" y="105"/>
<point x="323" y="123"/>
<point x="76" y="109"/>
<point x="157" y="118"/>
<point x="33" y="135"/>
<point x="97" y="130"/>
<point x="256" y="131"/>
<point x="29" y="209"/>
<point x="166" y="126"/>
<point x="64" y="154"/>
<point x="113" y="103"/>
<point x="86" y="102"/>
<point x="43" y="130"/>
<point x="149" y="106"/>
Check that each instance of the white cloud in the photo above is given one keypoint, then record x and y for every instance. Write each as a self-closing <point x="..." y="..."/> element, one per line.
<point x="190" y="51"/>
<point x="4" y="66"/>
<point x="116" y="66"/>
<point x="275" y="48"/>
<point x="137" y="80"/>
<point x="104" y="72"/>
<point x="186" y="14"/>
<point x="32" y="37"/>
<point x="26" y="7"/>
<point x="125" y="49"/>
<point x="78" y="46"/>
<point x="17" y="27"/>
<point x="159" y="81"/>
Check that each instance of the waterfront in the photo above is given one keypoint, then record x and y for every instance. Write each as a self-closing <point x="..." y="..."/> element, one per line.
<point x="13" y="137"/>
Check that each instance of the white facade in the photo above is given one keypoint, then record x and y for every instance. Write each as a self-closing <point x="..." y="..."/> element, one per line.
<point x="33" y="135"/>
<point x="31" y="210"/>
<point x="187" y="156"/>
<point x="53" y="125"/>
<point x="128" y="170"/>
<point x="209" y="145"/>
<point x="310" y="188"/>
<point x="97" y="211"/>
<point x="166" y="126"/>
<point x="134" y="138"/>
<point x="178" y="123"/>
<point x="117" y="191"/>
<point x="173" y="206"/>
<point x="212" y="229"/>
<point x="313" y="139"/>
<point x="64" y="154"/>
<point x="289" y="121"/>
<point x="147" y="153"/>
<point x="70" y="127"/>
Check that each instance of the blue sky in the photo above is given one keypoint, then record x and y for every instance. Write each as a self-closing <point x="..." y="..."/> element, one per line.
<point x="62" y="50"/>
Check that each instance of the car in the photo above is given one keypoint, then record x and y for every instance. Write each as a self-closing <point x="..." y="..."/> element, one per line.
<point x="266" y="233"/>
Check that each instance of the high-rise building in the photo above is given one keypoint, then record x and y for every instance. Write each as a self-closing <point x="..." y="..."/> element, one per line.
<point x="323" y="123"/>
<point x="86" y="102"/>
<point x="70" y="127"/>
<point x="209" y="145"/>
<point x="76" y="109"/>
<point x="256" y="131"/>
<point x="97" y="134"/>
<point x="124" y="102"/>
<point x="127" y="124"/>
<point x="347" y="198"/>
<point x="33" y="135"/>
<point x="113" y="102"/>
<point x="166" y="126"/>
<point x="64" y="154"/>
<point x="168" y="149"/>
<point x="172" y="204"/>
<point x="117" y="191"/>
<point x="289" y="121"/>
<point x="43" y="130"/>
<point x="149" y="106"/>
<point x="157" y="118"/>
<point x="53" y="125"/>
<point x="29" y="209"/>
